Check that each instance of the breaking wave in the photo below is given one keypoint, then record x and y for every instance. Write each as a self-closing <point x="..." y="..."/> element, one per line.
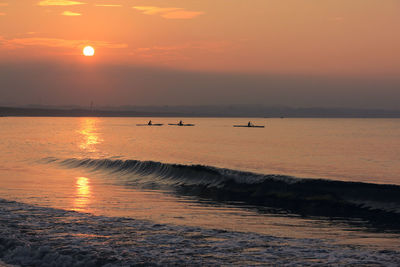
<point x="317" y="197"/>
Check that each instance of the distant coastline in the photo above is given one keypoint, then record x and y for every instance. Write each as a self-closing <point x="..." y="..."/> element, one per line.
<point x="197" y="111"/>
<point x="44" y="112"/>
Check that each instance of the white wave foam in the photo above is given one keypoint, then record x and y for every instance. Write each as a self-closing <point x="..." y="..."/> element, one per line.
<point x="38" y="236"/>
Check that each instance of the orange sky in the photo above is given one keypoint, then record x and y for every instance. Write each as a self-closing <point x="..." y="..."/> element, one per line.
<point x="307" y="53"/>
<point x="345" y="37"/>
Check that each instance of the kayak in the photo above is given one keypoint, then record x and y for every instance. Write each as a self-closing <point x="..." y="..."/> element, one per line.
<point x="155" y="124"/>
<point x="246" y="126"/>
<point x="177" y="124"/>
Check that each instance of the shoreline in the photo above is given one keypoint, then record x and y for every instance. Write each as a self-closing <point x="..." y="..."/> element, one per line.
<point x="33" y="235"/>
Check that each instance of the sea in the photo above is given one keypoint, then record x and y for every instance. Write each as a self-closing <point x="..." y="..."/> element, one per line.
<point x="108" y="192"/>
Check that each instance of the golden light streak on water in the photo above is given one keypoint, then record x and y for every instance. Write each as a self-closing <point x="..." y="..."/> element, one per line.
<point x="90" y="136"/>
<point x="83" y="193"/>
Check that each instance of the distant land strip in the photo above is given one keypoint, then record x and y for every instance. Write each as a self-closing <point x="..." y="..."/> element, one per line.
<point x="44" y="112"/>
<point x="198" y="111"/>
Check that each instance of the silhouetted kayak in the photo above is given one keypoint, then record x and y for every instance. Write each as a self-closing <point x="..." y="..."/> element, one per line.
<point x="177" y="124"/>
<point x="155" y="124"/>
<point x="247" y="126"/>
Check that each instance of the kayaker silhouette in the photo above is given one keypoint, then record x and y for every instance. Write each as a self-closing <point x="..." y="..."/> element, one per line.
<point x="180" y="123"/>
<point x="150" y="123"/>
<point x="249" y="124"/>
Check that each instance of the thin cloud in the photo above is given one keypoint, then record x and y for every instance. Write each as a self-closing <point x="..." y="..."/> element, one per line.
<point x="3" y="5"/>
<point x="59" y="3"/>
<point x="210" y="46"/>
<point x="182" y="51"/>
<point x="57" y="43"/>
<point x="181" y="14"/>
<point x="71" y="14"/>
<point x="168" y="12"/>
<point x="153" y="10"/>
<point x="108" y="5"/>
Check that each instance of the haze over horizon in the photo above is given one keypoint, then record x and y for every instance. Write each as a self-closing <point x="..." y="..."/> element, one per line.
<point x="303" y="53"/>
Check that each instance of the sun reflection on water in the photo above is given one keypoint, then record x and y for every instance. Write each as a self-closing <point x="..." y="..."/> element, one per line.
<point x="90" y="135"/>
<point x="83" y="193"/>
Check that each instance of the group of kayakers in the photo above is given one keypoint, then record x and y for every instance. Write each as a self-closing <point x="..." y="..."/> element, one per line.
<point x="150" y="123"/>
<point x="180" y="123"/>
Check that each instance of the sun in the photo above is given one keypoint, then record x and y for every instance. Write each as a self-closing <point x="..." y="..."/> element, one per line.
<point x="88" y="51"/>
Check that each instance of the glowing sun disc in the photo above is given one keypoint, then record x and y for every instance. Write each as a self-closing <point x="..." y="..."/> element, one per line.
<point x="88" y="51"/>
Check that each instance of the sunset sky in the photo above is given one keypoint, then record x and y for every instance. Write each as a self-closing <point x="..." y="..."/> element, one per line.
<point x="273" y="52"/>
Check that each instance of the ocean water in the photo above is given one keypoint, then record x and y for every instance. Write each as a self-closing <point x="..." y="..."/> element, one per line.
<point x="98" y="191"/>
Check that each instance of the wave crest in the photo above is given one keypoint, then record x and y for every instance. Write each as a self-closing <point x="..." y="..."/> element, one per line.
<point x="303" y="196"/>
